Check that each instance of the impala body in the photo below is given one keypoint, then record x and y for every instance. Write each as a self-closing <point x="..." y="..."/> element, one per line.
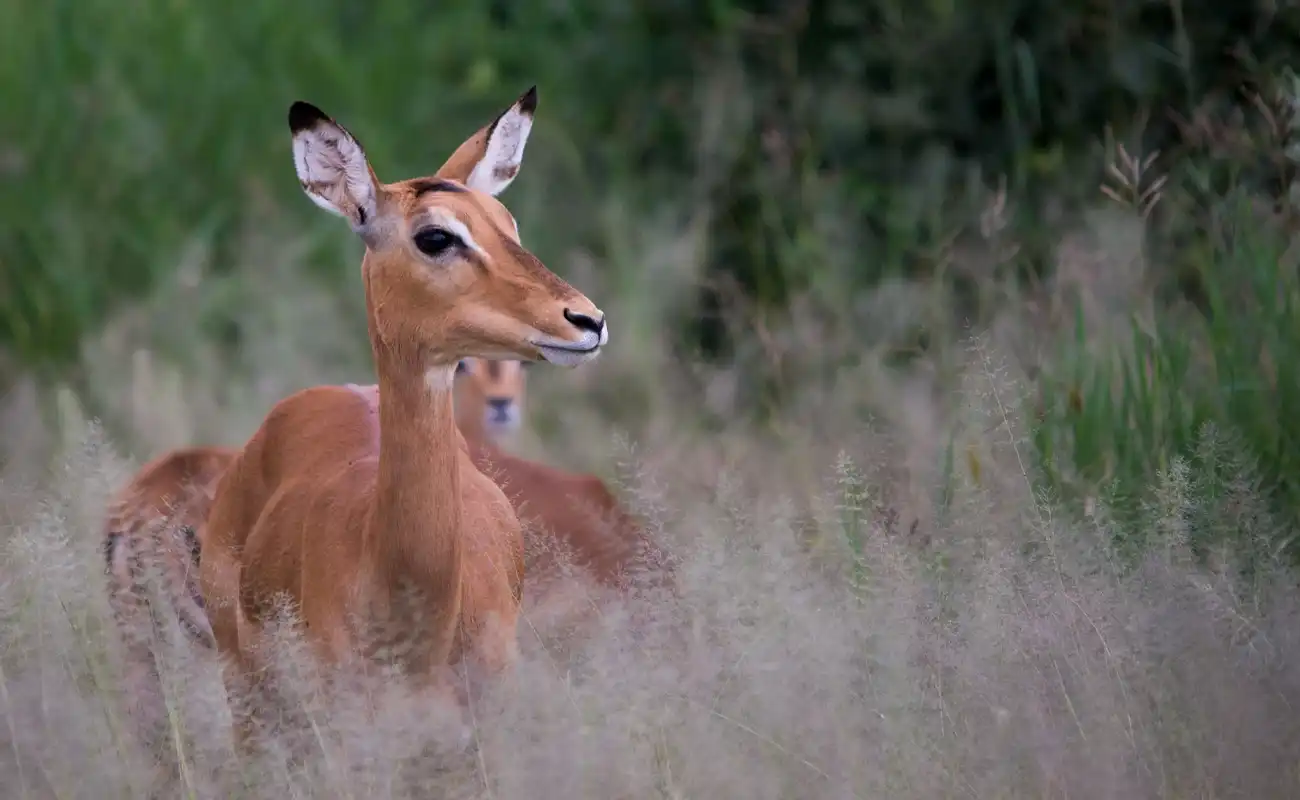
<point x="150" y="528"/>
<point x="569" y="518"/>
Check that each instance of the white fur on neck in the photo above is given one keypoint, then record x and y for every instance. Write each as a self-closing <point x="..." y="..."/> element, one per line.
<point x="440" y="379"/>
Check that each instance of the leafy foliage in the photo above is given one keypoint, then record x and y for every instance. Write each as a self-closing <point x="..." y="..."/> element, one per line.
<point x="152" y="123"/>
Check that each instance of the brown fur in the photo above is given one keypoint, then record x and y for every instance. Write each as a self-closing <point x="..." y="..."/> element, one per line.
<point x="491" y="381"/>
<point x="362" y="506"/>
<point x="150" y="531"/>
<point x="569" y="519"/>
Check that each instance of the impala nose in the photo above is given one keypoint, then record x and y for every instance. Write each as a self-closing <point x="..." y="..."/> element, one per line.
<point x="583" y="322"/>
<point x="501" y="414"/>
<point x="499" y="409"/>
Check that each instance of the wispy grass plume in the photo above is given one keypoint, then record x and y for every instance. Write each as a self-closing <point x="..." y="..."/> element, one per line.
<point x="1003" y="654"/>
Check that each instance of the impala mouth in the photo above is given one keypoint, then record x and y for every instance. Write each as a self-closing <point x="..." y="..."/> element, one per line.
<point x="502" y="426"/>
<point x="571" y="354"/>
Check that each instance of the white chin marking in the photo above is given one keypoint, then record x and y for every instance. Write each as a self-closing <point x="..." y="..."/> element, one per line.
<point x="567" y="358"/>
<point x="496" y="424"/>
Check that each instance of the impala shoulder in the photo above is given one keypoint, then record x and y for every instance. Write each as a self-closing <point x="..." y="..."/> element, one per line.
<point x="321" y="403"/>
<point x="315" y="396"/>
<point x="322" y="423"/>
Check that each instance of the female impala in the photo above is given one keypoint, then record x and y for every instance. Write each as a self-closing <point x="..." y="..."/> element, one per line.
<point x="361" y="505"/>
<point x="564" y="513"/>
<point x="493" y="406"/>
<point x="150" y="527"/>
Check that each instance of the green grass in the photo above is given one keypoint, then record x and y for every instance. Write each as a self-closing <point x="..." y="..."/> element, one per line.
<point x="1116" y="415"/>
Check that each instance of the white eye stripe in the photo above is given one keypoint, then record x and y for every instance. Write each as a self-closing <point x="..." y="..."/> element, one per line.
<point x="446" y="219"/>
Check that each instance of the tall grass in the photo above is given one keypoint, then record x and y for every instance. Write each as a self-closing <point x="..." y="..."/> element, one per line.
<point x="817" y="649"/>
<point x="886" y="606"/>
<point x="1120" y="406"/>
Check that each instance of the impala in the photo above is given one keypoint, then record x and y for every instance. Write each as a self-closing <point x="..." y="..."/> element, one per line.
<point x="361" y="505"/>
<point x="151" y="524"/>
<point x="150" y="527"/>
<point x="566" y="515"/>
<point x="493" y="407"/>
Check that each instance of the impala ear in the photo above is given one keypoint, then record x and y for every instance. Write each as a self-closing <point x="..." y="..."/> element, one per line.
<point x="489" y="160"/>
<point x="332" y="166"/>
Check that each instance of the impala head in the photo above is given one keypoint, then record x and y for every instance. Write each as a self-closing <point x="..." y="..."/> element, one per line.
<point x="496" y="396"/>
<point x="446" y="276"/>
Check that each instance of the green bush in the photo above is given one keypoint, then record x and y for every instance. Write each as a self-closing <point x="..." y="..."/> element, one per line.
<point x="148" y="125"/>
<point x="133" y="129"/>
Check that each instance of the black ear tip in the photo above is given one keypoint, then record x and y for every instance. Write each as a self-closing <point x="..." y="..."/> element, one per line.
<point x="528" y="103"/>
<point x="303" y="115"/>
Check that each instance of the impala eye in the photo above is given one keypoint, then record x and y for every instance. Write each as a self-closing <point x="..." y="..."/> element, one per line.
<point x="436" y="241"/>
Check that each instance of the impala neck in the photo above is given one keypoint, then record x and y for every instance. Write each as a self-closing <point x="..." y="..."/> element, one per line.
<point x="414" y="530"/>
<point x="469" y="418"/>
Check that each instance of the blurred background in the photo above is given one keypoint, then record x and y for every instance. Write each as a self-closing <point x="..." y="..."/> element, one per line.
<point x="1050" y="246"/>
<point x="784" y="204"/>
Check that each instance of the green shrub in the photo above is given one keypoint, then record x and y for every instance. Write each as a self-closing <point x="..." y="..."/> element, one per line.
<point x="133" y="129"/>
